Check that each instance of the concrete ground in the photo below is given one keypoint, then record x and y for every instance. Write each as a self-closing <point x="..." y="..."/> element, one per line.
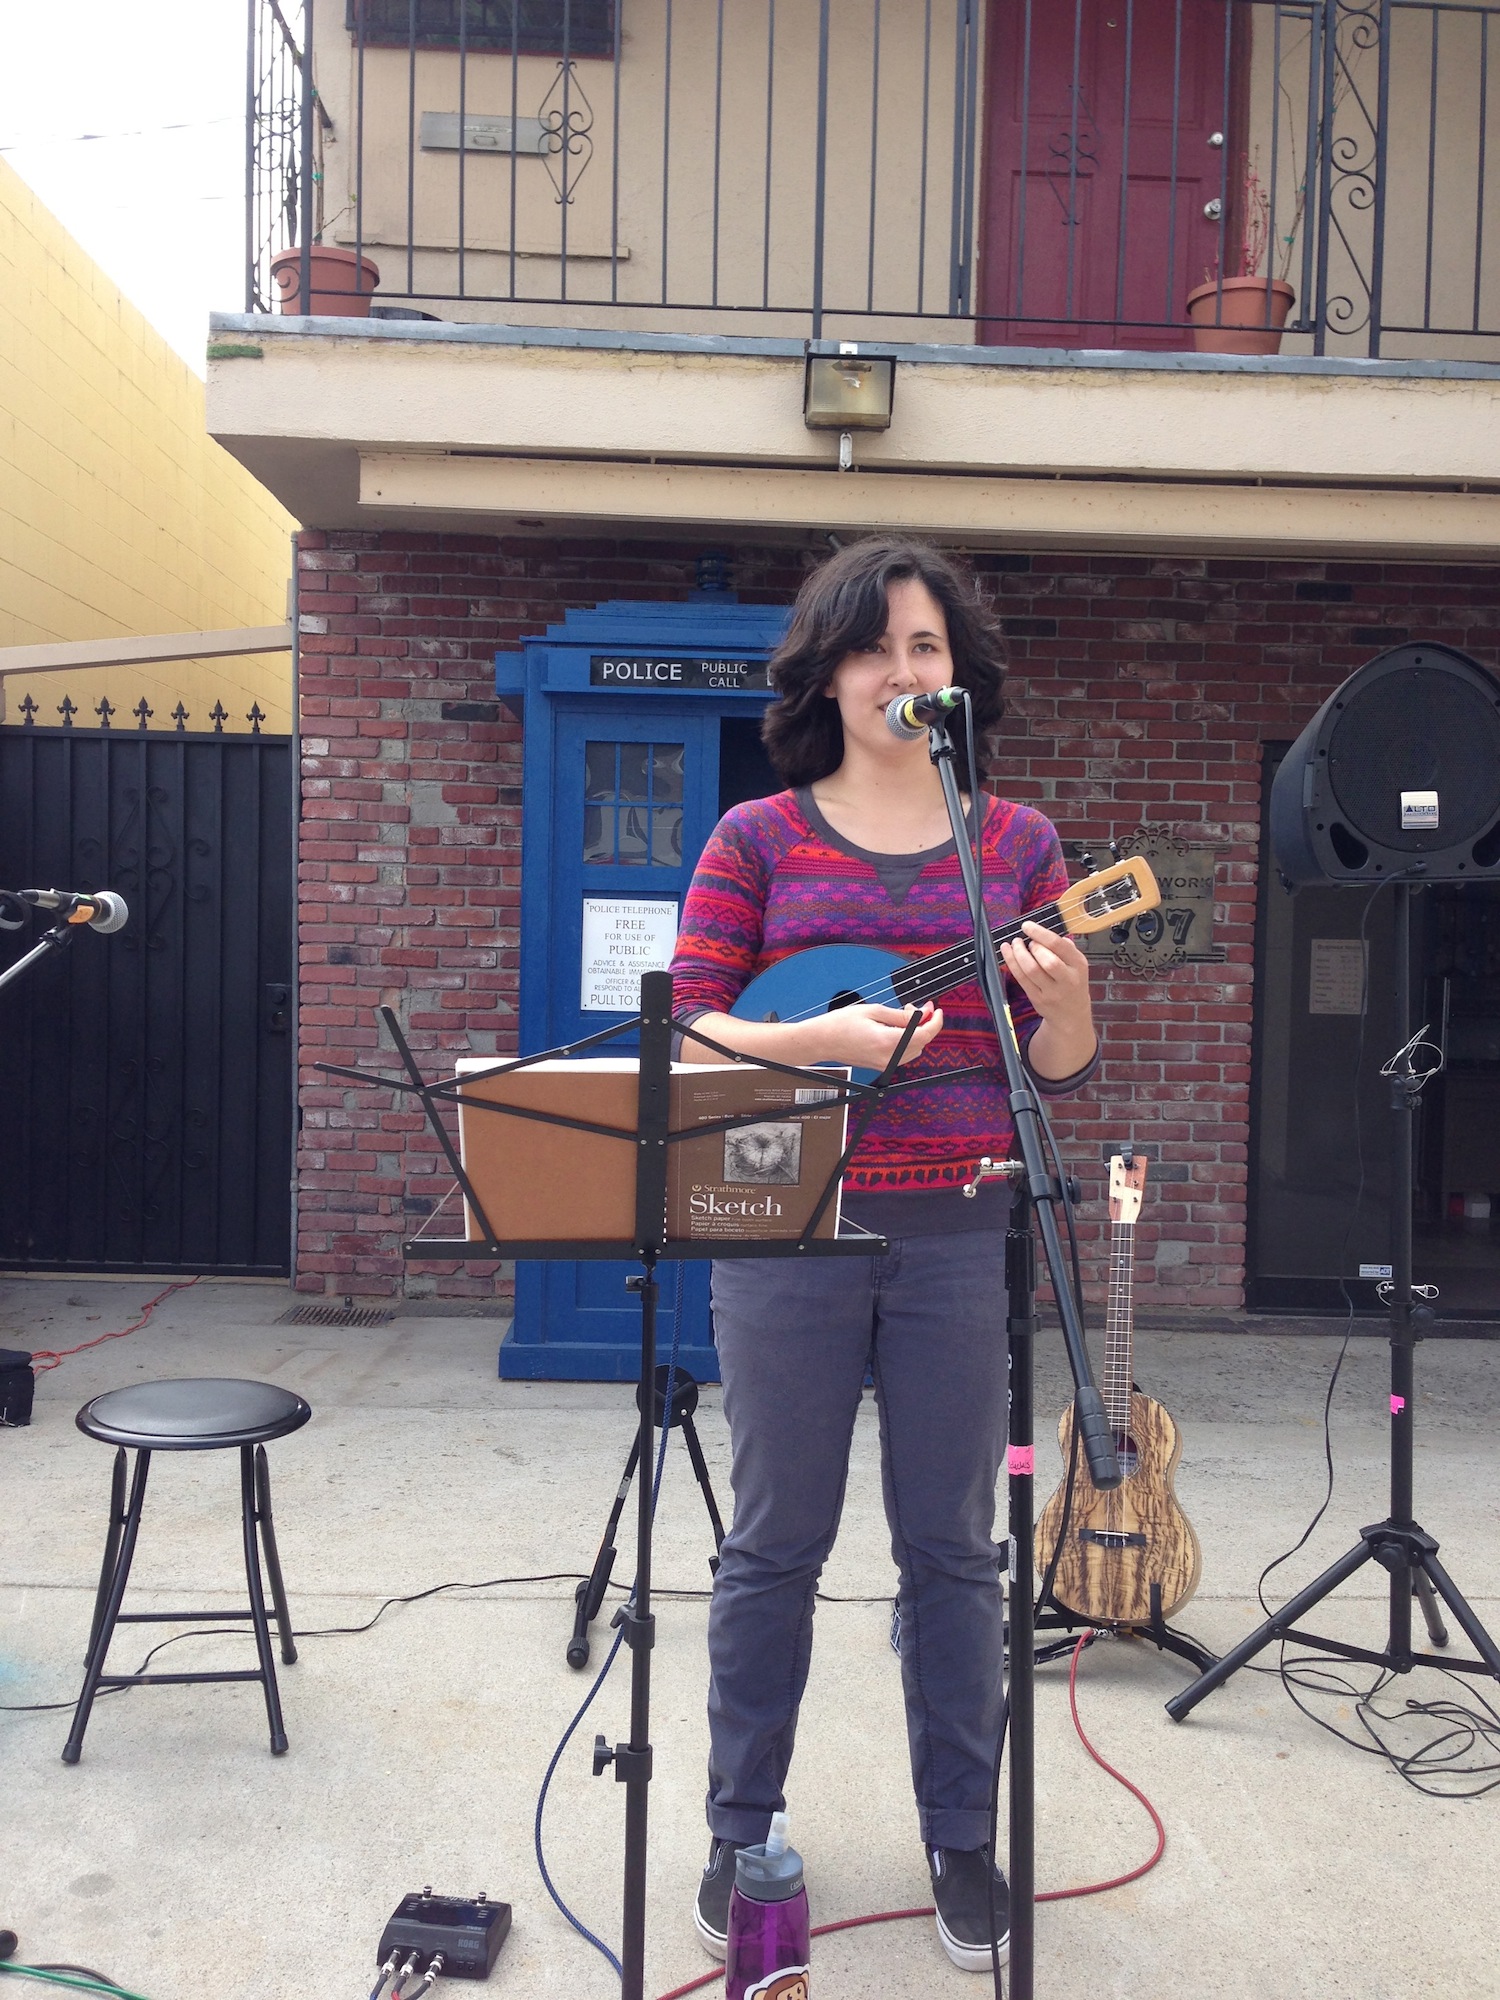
<point x="183" y="1860"/>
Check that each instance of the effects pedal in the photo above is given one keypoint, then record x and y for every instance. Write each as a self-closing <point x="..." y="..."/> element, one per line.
<point x="467" y="1931"/>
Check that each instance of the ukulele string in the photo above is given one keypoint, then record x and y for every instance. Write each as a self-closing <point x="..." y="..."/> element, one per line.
<point x="945" y="968"/>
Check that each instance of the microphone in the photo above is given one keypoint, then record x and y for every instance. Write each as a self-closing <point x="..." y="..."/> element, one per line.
<point x="101" y="909"/>
<point x="909" y="714"/>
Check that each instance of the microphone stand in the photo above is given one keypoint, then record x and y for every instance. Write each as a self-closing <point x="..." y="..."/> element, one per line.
<point x="61" y="934"/>
<point x="1036" y="1192"/>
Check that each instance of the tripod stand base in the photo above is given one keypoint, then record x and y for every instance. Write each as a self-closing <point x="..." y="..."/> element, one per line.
<point x="588" y="1598"/>
<point x="1409" y="1553"/>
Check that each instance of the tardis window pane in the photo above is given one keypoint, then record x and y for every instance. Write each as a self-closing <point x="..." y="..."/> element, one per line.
<point x="632" y="836"/>
<point x="666" y="772"/>
<point x="599" y="770"/>
<point x="633" y="775"/>
<point x="666" y="837"/>
<point x="598" y="833"/>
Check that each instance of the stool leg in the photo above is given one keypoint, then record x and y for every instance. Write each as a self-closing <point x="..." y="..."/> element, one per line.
<point x="258" y="1601"/>
<point x="273" y="1560"/>
<point x="111" y="1548"/>
<point x="107" y="1611"/>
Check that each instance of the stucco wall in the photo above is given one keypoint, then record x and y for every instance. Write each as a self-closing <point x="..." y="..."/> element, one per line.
<point x="118" y="513"/>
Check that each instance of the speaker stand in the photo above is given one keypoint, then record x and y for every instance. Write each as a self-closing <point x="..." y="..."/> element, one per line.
<point x="1397" y="1543"/>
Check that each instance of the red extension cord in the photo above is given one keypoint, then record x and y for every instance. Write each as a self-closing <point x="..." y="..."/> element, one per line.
<point x="44" y="1358"/>
<point x="1047" y="1895"/>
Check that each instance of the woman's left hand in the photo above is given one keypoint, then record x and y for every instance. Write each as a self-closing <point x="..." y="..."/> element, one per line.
<point x="1054" y="975"/>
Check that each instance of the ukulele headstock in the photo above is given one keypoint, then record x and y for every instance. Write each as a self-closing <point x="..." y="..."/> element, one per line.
<point x="1127" y="1184"/>
<point x="1114" y="895"/>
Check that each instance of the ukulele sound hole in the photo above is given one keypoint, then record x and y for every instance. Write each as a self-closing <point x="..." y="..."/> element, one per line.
<point x="1129" y="1454"/>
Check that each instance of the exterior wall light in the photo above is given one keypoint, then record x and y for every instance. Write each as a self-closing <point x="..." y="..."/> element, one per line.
<point x="847" y="392"/>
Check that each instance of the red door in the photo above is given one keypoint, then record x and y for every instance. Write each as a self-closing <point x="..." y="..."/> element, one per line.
<point x="1111" y="130"/>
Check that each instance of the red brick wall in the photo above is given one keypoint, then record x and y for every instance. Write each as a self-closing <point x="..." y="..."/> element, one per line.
<point x="1141" y="689"/>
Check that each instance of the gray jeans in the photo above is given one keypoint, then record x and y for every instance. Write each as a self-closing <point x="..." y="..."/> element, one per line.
<point x="795" y="1341"/>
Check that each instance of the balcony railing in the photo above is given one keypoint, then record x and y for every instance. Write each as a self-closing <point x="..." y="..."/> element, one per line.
<point x="1038" y="172"/>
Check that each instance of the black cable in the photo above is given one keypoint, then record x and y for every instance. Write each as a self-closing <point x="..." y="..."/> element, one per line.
<point x="322" y="1632"/>
<point x="433" y="1590"/>
<point x="415" y="1597"/>
<point x="1462" y="1728"/>
<point x="1344" y="1247"/>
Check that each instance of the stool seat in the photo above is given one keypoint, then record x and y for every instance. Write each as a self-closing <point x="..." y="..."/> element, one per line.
<point x="193" y="1413"/>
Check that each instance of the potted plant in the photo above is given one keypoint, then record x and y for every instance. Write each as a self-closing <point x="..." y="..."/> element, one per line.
<point x="342" y="283"/>
<point x="1245" y="314"/>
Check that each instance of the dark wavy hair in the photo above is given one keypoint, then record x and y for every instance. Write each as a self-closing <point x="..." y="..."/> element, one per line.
<point x="843" y="608"/>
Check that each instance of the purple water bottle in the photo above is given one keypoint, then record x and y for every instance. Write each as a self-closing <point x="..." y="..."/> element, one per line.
<point x="769" y="1945"/>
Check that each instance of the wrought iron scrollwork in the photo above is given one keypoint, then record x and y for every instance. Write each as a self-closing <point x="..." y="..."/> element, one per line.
<point x="567" y="119"/>
<point x="1351" y="153"/>
<point x="1072" y="156"/>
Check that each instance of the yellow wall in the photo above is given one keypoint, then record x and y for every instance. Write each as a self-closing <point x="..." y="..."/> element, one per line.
<point x="118" y="513"/>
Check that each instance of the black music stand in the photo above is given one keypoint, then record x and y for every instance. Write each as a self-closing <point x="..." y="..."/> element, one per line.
<point x="650" y="1138"/>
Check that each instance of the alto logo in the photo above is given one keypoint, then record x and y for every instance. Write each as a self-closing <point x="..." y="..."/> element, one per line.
<point x="1419" y="812"/>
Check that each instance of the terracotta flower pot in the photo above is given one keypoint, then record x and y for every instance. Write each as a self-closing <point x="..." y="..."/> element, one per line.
<point x="342" y="283"/>
<point x="1239" y="315"/>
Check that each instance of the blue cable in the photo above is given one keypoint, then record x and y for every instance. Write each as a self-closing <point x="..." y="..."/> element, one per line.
<point x="599" y="1679"/>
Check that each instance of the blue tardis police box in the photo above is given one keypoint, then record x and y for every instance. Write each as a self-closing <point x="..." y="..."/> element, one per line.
<point x="642" y="727"/>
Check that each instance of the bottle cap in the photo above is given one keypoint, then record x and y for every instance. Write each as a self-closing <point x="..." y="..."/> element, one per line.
<point x="770" y="1872"/>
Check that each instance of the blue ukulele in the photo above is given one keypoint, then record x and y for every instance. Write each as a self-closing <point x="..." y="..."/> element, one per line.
<point x="814" y="982"/>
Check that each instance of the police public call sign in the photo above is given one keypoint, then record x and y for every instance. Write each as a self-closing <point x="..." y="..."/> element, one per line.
<point x="666" y="673"/>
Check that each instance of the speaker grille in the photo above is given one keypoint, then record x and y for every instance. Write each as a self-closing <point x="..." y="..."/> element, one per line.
<point x="1416" y="731"/>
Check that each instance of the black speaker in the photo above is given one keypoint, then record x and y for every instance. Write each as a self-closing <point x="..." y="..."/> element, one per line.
<point x="1397" y="773"/>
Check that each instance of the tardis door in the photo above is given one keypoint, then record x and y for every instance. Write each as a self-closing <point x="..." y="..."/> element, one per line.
<point x="634" y="797"/>
<point x="622" y="787"/>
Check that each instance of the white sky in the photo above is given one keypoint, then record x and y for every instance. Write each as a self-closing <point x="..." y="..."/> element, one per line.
<point x="160" y="210"/>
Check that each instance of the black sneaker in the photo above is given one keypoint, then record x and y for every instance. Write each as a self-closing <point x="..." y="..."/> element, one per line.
<point x="961" y="1891"/>
<point x="711" y="1910"/>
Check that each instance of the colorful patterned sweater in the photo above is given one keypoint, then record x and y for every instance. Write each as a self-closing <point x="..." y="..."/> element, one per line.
<point x="775" y="879"/>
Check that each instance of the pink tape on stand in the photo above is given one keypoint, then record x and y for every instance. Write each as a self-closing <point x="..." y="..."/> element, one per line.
<point x="1398" y="1404"/>
<point x="1020" y="1461"/>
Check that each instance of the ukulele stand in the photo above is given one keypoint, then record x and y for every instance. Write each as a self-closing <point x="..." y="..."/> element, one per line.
<point x="1055" y="1617"/>
<point x="589" y="1596"/>
<point x="1398" y="1543"/>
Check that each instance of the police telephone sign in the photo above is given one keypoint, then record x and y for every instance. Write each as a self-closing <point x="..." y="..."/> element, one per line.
<point x="622" y="938"/>
<point x="639" y="672"/>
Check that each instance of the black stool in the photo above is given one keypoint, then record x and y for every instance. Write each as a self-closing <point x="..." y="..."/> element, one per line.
<point x="188" y="1415"/>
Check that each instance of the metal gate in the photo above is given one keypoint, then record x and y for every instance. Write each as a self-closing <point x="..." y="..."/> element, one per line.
<point x="146" y="1077"/>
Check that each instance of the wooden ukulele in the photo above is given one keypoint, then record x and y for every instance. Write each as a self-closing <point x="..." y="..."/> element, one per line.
<point x="1130" y="1557"/>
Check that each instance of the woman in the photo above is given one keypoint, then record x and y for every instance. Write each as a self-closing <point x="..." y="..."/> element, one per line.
<point x="858" y="850"/>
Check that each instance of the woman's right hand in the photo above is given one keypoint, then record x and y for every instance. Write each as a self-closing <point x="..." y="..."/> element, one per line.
<point x="866" y="1036"/>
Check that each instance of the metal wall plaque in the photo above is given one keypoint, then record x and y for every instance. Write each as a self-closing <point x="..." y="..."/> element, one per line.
<point x="672" y="671"/>
<point x="440" y="134"/>
<point x="1180" y="931"/>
